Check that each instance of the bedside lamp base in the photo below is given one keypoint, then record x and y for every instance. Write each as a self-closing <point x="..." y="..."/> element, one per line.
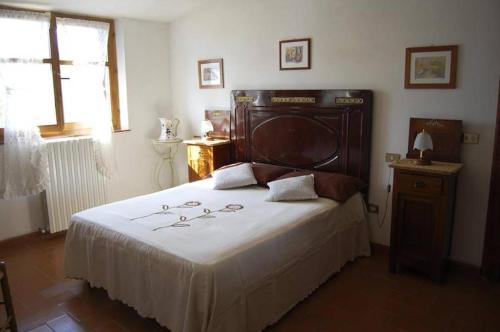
<point x="422" y="162"/>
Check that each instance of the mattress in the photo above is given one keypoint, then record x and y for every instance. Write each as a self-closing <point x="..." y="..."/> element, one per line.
<point x="197" y="259"/>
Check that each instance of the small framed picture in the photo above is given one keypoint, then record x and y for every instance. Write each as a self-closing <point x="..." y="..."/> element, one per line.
<point x="211" y="74"/>
<point x="433" y="67"/>
<point x="295" y="54"/>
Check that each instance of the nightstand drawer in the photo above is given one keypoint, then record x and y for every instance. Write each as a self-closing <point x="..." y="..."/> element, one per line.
<point x="196" y="152"/>
<point x="428" y="185"/>
<point x="205" y="152"/>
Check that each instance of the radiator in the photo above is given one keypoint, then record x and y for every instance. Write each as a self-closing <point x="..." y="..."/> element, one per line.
<point x="75" y="183"/>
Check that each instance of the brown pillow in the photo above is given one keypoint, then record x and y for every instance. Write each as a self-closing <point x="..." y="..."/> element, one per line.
<point x="230" y="165"/>
<point x="265" y="173"/>
<point x="335" y="186"/>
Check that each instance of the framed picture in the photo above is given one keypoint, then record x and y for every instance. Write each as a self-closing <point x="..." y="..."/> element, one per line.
<point x="211" y="74"/>
<point x="295" y="54"/>
<point x="433" y="67"/>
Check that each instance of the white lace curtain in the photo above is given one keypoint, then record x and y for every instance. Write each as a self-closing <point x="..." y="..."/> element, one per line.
<point x="25" y="166"/>
<point x="89" y="81"/>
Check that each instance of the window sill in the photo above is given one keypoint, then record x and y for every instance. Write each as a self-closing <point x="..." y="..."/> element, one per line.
<point x="50" y="137"/>
<point x="121" y="130"/>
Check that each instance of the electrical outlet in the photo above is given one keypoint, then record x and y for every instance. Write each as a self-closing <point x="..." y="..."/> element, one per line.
<point x="471" y="138"/>
<point x="392" y="157"/>
<point x="372" y="208"/>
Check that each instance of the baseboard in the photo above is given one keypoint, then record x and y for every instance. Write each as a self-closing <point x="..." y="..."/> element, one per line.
<point x="21" y="239"/>
<point x="453" y="264"/>
<point x="457" y="265"/>
<point x="381" y="248"/>
<point x="29" y="238"/>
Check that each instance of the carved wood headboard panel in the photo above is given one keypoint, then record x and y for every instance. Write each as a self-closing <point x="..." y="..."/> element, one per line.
<point x="327" y="130"/>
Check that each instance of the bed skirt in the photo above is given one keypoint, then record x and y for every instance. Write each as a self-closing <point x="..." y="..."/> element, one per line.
<point x="256" y="307"/>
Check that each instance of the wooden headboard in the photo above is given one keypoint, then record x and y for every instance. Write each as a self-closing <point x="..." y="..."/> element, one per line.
<point x="326" y="130"/>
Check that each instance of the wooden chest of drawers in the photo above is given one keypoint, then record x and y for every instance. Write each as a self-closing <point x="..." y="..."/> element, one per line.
<point x="422" y="216"/>
<point x="206" y="156"/>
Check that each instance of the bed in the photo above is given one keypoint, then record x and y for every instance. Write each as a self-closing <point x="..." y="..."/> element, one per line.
<point x="198" y="259"/>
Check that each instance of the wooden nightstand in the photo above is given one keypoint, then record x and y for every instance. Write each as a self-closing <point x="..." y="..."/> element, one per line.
<point x="206" y="156"/>
<point x="423" y="206"/>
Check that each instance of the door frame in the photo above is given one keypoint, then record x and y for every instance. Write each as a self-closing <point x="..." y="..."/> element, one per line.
<point x="490" y="267"/>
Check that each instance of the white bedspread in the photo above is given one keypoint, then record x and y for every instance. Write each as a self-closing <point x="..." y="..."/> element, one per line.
<point x="193" y="258"/>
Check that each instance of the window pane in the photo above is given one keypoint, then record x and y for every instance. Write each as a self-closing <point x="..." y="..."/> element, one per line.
<point x="81" y="40"/>
<point x="28" y="85"/>
<point x="23" y="38"/>
<point x="83" y="89"/>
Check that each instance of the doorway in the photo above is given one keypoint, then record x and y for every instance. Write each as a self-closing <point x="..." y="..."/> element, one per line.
<point x="490" y="267"/>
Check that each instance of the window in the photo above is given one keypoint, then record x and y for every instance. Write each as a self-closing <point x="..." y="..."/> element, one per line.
<point x="62" y="65"/>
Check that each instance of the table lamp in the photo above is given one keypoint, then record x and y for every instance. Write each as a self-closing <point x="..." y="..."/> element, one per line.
<point x="206" y="128"/>
<point x="423" y="142"/>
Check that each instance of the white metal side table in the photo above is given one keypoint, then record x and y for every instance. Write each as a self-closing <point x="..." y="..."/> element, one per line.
<point x="167" y="150"/>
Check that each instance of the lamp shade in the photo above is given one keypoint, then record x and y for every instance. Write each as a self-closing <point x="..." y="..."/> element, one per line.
<point x="206" y="127"/>
<point x="423" y="141"/>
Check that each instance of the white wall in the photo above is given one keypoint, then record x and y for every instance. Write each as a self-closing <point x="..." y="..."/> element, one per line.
<point x="356" y="44"/>
<point x="146" y="71"/>
<point x="144" y="93"/>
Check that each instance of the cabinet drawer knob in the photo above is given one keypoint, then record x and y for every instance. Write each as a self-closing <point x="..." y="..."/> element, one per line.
<point x="419" y="184"/>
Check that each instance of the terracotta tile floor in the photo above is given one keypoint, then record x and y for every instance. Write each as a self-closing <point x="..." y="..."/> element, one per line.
<point x="363" y="297"/>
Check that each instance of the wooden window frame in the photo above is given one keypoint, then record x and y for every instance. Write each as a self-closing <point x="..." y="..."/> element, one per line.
<point x="62" y="129"/>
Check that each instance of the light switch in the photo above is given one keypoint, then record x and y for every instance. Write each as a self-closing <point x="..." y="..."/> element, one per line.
<point x="391" y="157"/>
<point x="471" y="138"/>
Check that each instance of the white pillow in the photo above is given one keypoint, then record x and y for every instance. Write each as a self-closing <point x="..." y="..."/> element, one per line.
<point x="292" y="189"/>
<point x="234" y="177"/>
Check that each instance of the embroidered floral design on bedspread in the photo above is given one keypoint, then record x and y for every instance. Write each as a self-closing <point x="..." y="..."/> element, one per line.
<point x="183" y="220"/>
<point x="165" y="208"/>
